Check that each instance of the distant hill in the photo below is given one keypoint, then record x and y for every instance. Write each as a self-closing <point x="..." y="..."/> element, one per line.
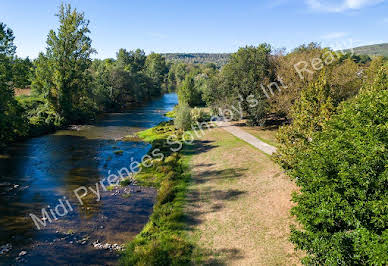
<point x="372" y="50"/>
<point x="198" y="58"/>
<point x="221" y="59"/>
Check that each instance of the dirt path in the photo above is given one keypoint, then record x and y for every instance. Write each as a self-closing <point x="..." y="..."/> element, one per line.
<point x="245" y="136"/>
<point x="238" y="205"/>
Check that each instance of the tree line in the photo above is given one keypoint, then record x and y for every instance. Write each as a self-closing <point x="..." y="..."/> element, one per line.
<point x="67" y="85"/>
<point x="333" y="140"/>
<point x="219" y="59"/>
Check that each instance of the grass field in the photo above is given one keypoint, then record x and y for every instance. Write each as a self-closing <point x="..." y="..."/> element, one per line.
<point x="238" y="204"/>
<point x="266" y="134"/>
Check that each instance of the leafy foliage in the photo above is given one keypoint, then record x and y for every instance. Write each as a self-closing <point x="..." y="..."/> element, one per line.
<point x="183" y="117"/>
<point x="22" y="72"/>
<point x="39" y="114"/>
<point x="133" y="77"/>
<point x="11" y="122"/>
<point x="189" y="93"/>
<point x="309" y="115"/>
<point x="343" y="176"/>
<point x="62" y="72"/>
<point x="156" y="69"/>
<point x="342" y="75"/>
<point x="248" y="70"/>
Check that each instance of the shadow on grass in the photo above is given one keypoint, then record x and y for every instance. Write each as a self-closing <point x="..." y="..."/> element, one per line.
<point x="213" y="198"/>
<point x="216" y="200"/>
<point x="198" y="146"/>
<point x="226" y="175"/>
<point x="217" y="257"/>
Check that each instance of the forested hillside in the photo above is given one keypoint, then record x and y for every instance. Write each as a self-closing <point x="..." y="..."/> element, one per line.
<point x="372" y="50"/>
<point x="199" y="58"/>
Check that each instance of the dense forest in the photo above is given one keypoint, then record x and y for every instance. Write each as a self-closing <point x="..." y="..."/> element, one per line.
<point x="219" y="59"/>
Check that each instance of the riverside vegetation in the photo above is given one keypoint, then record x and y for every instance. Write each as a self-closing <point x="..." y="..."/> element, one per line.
<point x="163" y="240"/>
<point x="332" y="141"/>
<point x="67" y="86"/>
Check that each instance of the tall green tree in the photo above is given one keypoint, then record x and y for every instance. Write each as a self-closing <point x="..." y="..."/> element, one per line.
<point x="11" y="122"/>
<point x="62" y="71"/>
<point x="247" y="71"/>
<point x="22" y="71"/>
<point x="156" y="69"/>
<point x="7" y="51"/>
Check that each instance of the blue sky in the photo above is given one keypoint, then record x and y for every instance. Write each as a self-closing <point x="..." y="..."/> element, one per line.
<point x="203" y="26"/>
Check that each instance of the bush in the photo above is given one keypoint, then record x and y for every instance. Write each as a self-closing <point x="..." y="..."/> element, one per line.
<point x="40" y="115"/>
<point x="199" y="114"/>
<point x="343" y="176"/>
<point x="183" y="117"/>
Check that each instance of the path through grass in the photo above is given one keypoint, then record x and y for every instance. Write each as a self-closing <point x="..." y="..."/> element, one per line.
<point x="238" y="204"/>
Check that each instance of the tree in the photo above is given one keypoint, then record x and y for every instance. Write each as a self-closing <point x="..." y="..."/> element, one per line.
<point x="22" y="71"/>
<point x="244" y="76"/>
<point x="282" y="100"/>
<point x="11" y="121"/>
<point x="187" y="93"/>
<point x="123" y="59"/>
<point x="7" y="51"/>
<point x="342" y="174"/>
<point x="375" y="66"/>
<point x="62" y="72"/>
<point x="308" y="115"/>
<point x="156" y="69"/>
<point x="183" y="117"/>
<point x="138" y="60"/>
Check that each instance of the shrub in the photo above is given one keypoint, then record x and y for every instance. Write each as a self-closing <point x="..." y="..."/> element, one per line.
<point x="199" y="114"/>
<point x="183" y="117"/>
<point x="40" y="115"/>
<point x="343" y="176"/>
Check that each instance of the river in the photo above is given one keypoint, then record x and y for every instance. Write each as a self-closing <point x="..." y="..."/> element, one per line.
<point x="39" y="172"/>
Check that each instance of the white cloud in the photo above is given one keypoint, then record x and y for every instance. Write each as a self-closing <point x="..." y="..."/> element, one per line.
<point x="334" y="35"/>
<point x="337" y="6"/>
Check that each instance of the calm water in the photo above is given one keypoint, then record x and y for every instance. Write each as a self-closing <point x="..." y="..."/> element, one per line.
<point x="37" y="173"/>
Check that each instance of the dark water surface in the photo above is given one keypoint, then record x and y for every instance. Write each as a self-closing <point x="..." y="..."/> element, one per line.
<point x="36" y="173"/>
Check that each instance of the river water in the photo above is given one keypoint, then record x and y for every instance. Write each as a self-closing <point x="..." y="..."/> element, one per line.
<point x="39" y="172"/>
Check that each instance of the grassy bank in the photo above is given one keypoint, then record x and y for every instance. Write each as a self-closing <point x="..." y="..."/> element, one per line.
<point x="238" y="204"/>
<point x="163" y="240"/>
